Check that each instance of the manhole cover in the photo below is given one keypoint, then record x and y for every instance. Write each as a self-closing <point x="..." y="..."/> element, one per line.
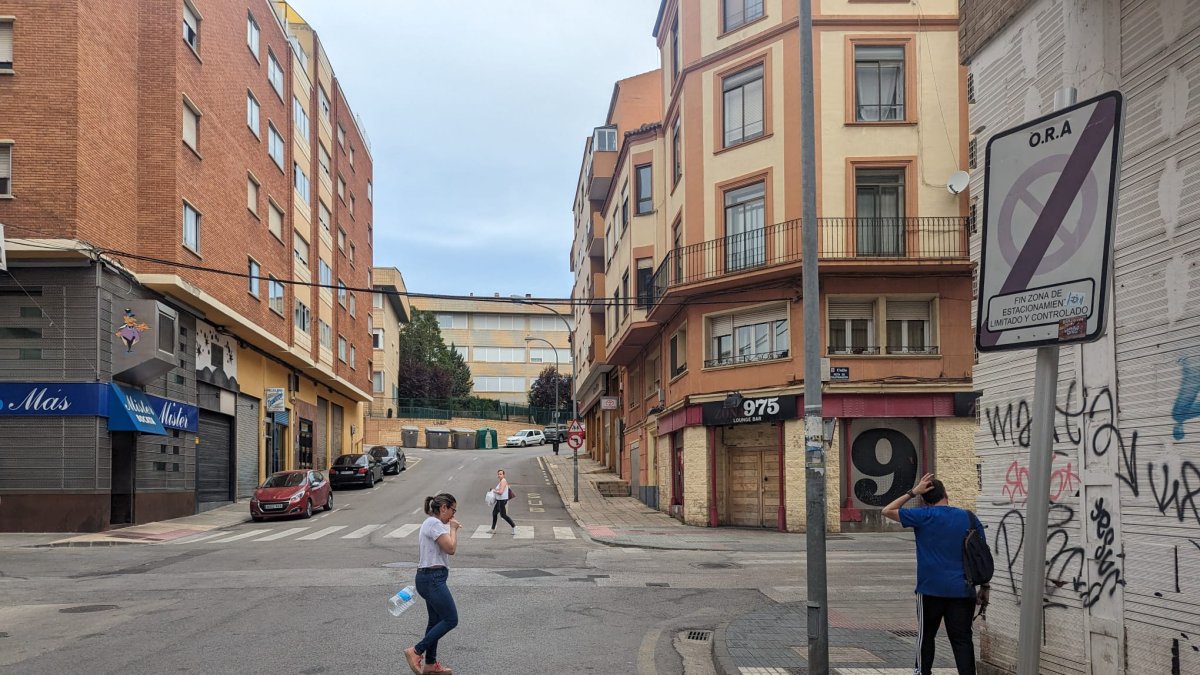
<point x="400" y="565"/>
<point x="83" y="609"/>
<point x="524" y="574"/>
<point x="699" y="635"/>
<point x="717" y="566"/>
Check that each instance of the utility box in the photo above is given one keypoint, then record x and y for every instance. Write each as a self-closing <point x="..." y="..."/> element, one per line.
<point x="485" y="439"/>
<point x="437" y="438"/>
<point x="410" y="436"/>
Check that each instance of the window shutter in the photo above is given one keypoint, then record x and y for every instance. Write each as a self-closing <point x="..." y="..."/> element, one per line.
<point x="5" y="162"/>
<point x="908" y="310"/>
<point x="191" y="121"/>
<point x="760" y="315"/>
<point x="189" y="17"/>
<point x="850" y="309"/>
<point x="6" y="43"/>
<point x="721" y="325"/>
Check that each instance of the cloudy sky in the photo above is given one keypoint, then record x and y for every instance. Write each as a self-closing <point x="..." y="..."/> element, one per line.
<point x="477" y="111"/>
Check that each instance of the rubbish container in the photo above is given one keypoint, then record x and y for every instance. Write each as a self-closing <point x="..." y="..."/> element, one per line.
<point x="437" y="438"/>
<point x="463" y="439"/>
<point x="485" y="439"/>
<point x="410" y="437"/>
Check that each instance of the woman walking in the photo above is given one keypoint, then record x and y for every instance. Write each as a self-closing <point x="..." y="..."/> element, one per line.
<point x="503" y="494"/>
<point x="438" y="541"/>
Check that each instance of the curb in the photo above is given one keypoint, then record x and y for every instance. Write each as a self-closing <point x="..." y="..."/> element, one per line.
<point x="89" y="544"/>
<point x="722" y="661"/>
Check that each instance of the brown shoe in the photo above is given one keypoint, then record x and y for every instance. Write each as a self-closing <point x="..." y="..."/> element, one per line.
<point x="436" y="669"/>
<point x="414" y="660"/>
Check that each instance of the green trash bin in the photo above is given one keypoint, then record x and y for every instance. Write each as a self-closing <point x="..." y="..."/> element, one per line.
<point x="485" y="438"/>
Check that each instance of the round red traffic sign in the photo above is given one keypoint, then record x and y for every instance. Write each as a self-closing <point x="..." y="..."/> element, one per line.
<point x="575" y="440"/>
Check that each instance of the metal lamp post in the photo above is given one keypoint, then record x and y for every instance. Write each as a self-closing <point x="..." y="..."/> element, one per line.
<point x="557" y="374"/>
<point x="574" y="401"/>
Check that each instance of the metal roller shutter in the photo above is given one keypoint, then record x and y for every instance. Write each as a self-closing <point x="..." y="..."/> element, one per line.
<point x="908" y="310"/>
<point x="760" y="315"/>
<point x="247" y="446"/>
<point x="337" y="431"/>
<point x="213" y="457"/>
<point x="850" y="309"/>
<point x="321" y="431"/>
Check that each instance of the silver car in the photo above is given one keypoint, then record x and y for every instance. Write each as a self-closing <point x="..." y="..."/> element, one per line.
<point x="525" y="437"/>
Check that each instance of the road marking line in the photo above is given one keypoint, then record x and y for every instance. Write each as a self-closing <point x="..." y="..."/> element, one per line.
<point x="321" y="533"/>
<point x="402" y="531"/>
<point x="564" y="533"/>
<point x="235" y="537"/>
<point x="193" y="540"/>
<point x="362" y="531"/>
<point x="418" y="510"/>
<point x="481" y="532"/>
<point x="285" y="533"/>
<point x="534" y="509"/>
<point x="523" y="532"/>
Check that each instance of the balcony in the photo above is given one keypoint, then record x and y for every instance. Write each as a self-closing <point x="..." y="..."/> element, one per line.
<point x="849" y="244"/>
<point x="740" y="359"/>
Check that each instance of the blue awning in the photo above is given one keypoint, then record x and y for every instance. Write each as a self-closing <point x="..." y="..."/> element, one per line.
<point x="130" y="410"/>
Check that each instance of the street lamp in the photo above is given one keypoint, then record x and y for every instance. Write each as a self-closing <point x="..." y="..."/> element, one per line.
<point x="574" y="401"/>
<point x="557" y="374"/>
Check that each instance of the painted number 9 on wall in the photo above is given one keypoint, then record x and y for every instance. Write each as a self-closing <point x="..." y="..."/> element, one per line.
<point x="760" y="406"/>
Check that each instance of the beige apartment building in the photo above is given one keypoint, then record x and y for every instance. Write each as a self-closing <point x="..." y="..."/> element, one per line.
<point x="390" y="309"/>
<point x="491" y="334"/>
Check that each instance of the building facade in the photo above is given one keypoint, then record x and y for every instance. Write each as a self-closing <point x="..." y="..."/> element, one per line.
<point x="491" y="336"/>
<point x="1122" y="589"/>
<point x="390" y="309"/>
<point x="690" y="224"/>
<point x="177" y="222"/>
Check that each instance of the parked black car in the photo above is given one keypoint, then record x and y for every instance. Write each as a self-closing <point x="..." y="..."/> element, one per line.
<point x="391" y="457"/>
<point x="361" y="469"/>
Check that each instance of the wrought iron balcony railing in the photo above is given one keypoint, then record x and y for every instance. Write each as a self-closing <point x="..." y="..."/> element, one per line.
<point x="928" y="350"/>
<point x="852" y="351"/>
<point x="746" y="358"/>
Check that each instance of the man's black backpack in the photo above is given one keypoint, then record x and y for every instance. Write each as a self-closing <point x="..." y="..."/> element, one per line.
<point x="976" y="556"/>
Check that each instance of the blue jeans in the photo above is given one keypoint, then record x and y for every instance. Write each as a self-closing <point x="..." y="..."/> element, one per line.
<point x="443" y="615"/>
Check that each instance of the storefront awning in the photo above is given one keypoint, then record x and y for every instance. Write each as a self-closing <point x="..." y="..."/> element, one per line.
<point x="130" y="410"/>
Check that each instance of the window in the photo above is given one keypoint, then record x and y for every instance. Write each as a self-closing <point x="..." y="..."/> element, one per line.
<point x="645" y="282"/>
<point x="341" y="136"/>
<point x="252" y="34"/>
<point x="301" y="56"/>
<point x="451" y="320"/>
<point x="253" y="271"/>
<point x="323" y="103"/>
<point x="973" y="153"/>
<point x="878" y="83"/>
<point x="300" y="182"/>
<point x="352" y="249"/>
<point x="274" y="73"/>
<point x="676" y="153"/>
<point x="303" y="317"/>
<point x="323" y="215"/>
<point x="341" y="293"/>
<point x="353" y="356"/>
<point x="879" y="211"/>
<point x="500" y="354"/>
<point x="341" y="188"/>
<point x="743" y="105"/>
<point x="675" y="50"/>
<point x="191" y="227"/>
<point x="6" y="169"/>
<point x="191" y="27"/>
<point x="353" y="304"/>
<point x="252" y="112"/>
<point x="300" y="248"/>
<point x="350" y="155"/>
<point x="758" y="334"/>
<point x="323" y="160"/>
<point x="341" y="240"/>
<point x="624" y="206"/>
<point x="370" y="192"/>
<point x="274" y="145"/>
<point x="604" y="139"/>
<point x="679" y="352"/>
<point x="486" y="384"/>
<point x="191" y="125"/>
<point x="299" y="118"/>
<point x="544" y="355"/>
<point x="6" y="45"/>
<point x="351" y="204"/>
<point x="275" y="219"/>
<point x="851" y="326"/>
<point x="377" y="300"/>
<point x="499" y="322"/>
<point x="252" y="194"/>
<point x="625" y="294"/>
<point x="166" y="336"/>
<point x="377" y="382"/>
<point x="547" y="323"/>
<point x="745" y="219"/>
<point x="377" y="338"/>
<point x="645" y="189"/>
<point x="274" y="294"/>
<point x="341" y="348"/>
<point x="741" y="12"/>
<point x="677" y="250"/>
<point x="325" y="334"/>
<point x="653" y="375"/>
<point x="462" y="351"/>
<point x="324" y="273"/>
<point x="908" y="327"/>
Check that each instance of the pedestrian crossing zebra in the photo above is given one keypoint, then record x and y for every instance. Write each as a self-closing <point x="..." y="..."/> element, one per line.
<point x="308" y="533"/>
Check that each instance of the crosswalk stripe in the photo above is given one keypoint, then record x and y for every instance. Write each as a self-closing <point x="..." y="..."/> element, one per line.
<point x="362" y="531"/>
<point x="523" y="532"/>
<point x="192" y="540"/>
<point x="402" y="531"/>
<point x="481" y="532"/>
<point x="235" y="537"/>
<point x="282" y="534"/>
<point x="321" y="533"/>
<point x="564" y="533"/>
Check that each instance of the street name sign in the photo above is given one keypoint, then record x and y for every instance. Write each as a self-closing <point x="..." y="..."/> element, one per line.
<point x="1049" y="201"/>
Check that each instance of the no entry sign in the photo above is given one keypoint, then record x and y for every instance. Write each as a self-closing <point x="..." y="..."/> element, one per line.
<point x="1049" y="200"/>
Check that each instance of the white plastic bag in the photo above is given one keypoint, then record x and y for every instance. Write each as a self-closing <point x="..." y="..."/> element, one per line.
<point x="490" y="498"/>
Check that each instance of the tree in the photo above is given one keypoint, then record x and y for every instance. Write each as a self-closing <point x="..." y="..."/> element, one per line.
<point x="428" y="368"/>
<point x="541" y="394"/>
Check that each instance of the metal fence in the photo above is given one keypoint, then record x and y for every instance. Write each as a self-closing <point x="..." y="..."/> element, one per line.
<point x="447" y="409"/>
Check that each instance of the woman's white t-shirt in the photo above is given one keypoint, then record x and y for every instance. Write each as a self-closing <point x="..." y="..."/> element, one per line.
<point x="507" y="494"/>
<point x="432" y="555"/>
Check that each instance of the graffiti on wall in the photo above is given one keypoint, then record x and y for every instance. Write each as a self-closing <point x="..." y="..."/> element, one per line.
<point x="216" y="357"/>
<point x="1063" y="481"/>
<point x="1187" y="400"/>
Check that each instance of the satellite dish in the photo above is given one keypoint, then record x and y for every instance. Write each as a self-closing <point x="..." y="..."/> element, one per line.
<point x="958" y="182"/>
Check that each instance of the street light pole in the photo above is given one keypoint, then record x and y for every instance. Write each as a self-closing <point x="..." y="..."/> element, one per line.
<point x="557" y="374"/>
<point x="574" y="400"/>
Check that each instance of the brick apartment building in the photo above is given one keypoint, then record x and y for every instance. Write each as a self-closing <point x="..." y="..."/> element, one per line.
<point x="687" y="263"/>
<point x="151" y="147"/>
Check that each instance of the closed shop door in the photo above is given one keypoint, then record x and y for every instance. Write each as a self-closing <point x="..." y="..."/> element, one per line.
<point x="753" y="487"/>
<point x="213" y="455"/>
<point x="247" y="446"/>
<point x="337" y="431"/>
<point x="321" y="433"/>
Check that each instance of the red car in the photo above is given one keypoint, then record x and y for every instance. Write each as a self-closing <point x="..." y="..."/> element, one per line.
<point x="291" y="493"/>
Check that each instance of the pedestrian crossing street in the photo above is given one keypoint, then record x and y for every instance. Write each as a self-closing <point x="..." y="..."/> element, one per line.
<point x="309" y="533"/>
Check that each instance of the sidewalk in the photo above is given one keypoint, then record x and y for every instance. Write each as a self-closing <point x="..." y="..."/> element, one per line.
<point x="161" y="531"/>
<point x="864" y="639"/>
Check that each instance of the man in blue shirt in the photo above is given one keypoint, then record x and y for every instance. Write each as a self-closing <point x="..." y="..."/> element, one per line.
<point x="942" y="589"/>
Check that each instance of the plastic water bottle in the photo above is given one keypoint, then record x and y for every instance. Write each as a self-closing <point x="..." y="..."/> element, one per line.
<point x="402" y="600"/>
